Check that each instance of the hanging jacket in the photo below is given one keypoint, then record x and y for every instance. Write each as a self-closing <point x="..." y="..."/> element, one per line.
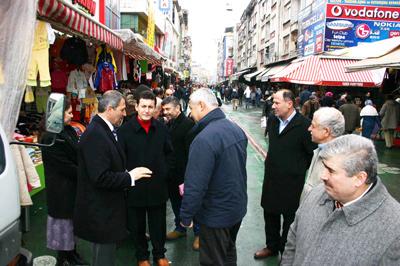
<point x="105" y="55"/>
<point x="74" y="51"/>
<point x="105" y="78"/>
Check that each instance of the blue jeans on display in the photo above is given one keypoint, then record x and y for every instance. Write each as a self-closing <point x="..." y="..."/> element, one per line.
<point x="176" y="202"/>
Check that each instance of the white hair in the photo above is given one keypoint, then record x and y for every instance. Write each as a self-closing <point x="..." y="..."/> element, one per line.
<point x="331" y="118"/>
<point x="204" y="95"/>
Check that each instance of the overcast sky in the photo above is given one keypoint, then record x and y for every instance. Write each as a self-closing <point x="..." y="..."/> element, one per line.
<point x="207" y="21"/>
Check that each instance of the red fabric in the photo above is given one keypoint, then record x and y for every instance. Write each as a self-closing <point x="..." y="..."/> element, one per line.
<point x="107" y="80"/>
<point x="145" y="124"/>
<point x="59" y="81"/>
<point x="76" y="109"/>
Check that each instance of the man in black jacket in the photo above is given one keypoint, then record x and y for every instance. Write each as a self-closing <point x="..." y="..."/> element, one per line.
<point x="145" y="141"/>
<point x="100" y="207"/>
<point x="289" y="155"/>
<point x="179" y="126"/>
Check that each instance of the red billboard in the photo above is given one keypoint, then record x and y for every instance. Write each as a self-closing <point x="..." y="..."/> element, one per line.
<point x="228" y="67"/>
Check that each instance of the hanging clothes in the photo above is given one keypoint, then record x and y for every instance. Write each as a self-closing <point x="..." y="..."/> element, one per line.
<point x="74" y="51"/>
<point x="105" y="78"/>
<point x="39" y="62"/>
<point x="77" y="82"/>
<point x="104" y="54"/>
<point x="59" y="80"/>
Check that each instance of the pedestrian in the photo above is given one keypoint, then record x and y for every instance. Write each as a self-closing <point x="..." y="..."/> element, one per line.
<point x="100" y="208"/>
<point x="350" y="219"/>
<point x="304" y="95"/>
<point x="145" y="141"/>
<point x="215" y="180"/>
<point x="178" y="126"/>
<point x="390" y="115"/>
<point x="60" y="168"/>
<point x="235" y="98"/>
<point x="289" y="155"/>
<point x="351" y="114"/>
<point x="370" y="122"/>
<point x="247" y="97"/>
<point x="327" y="100"/>
<point x="310" y="106"/>
<point x="327" y="124"/>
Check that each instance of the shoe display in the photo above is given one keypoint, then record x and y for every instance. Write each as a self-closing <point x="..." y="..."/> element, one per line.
<point x="162" y="262"/>
<point x="144" y="263"/>
<point x="264" y="253"/>
<point x="175" y="235"/>
<point x="196" y="243"/>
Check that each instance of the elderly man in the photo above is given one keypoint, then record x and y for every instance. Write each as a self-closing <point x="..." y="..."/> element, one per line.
<point x="327" y="124"/>
<point x="215" y="180"/>
<point x="289" y="155"/>
<point x="350" y="219"/>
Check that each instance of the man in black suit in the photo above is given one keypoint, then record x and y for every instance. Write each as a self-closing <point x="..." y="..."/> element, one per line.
<point x="100" y="210"/>
<point x="289" y="155"/>
<point x="145" y="141"/>
<point x="179" y="126"/>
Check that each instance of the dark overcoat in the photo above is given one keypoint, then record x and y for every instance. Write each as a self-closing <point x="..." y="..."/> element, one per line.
<point x="100" y="210"/>
<point x="146" y="150"/>
<point x="60" y="169"/>
<point x="289" y="156"/>
<point x="180" y="138"/>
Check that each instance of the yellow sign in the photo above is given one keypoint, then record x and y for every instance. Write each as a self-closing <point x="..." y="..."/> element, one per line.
<point x="150" y="24"/>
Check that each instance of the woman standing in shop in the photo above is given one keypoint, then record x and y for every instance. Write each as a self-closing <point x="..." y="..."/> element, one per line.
<point x="60" y="168"/>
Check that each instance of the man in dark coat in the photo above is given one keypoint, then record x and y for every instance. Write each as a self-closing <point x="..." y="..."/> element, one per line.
<point x="289" y="155"/>
<point x="351" y="113"/>
<point x="179" y="126"/>
<point x="215" y="180"/>
<point x="100" y="208"/>
<point x="145" y="141"/>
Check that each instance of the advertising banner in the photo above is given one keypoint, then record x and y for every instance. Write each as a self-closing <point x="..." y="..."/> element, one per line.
<point x="150" y="24"/>
<point x="311" y="29"/>
<point x="349" y="24"/>
<point x="228" y="67"/>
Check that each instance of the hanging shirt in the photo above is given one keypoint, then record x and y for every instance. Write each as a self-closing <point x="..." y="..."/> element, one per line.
<point x="76" y="81"/>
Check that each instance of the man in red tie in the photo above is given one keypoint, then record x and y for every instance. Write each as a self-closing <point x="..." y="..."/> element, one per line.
<point x="350" y="219"/>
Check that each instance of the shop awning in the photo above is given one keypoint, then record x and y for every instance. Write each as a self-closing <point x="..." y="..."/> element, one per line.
<point x="237" y="75"/>
<point x="248" y="77"/>
<point x="327" y="71"/>
<point x="65" y="17"/>
<point x="136" y="48"/>
<point x="390" y="60"/>
<point x="272" y="71"/>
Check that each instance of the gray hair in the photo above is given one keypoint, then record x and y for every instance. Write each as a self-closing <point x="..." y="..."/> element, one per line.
<point x="110" y="98"/>
<point x="358" y="154"/>
<point x="332" y="119"/>
<point x="204" y="95"/>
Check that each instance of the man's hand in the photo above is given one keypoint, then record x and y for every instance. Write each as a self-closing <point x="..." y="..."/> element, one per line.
<point x="140" y="172"/>
<point x="188" y="226"/>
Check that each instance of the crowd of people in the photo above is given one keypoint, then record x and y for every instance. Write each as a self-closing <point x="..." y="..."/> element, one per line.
<point x="141" y="150"/>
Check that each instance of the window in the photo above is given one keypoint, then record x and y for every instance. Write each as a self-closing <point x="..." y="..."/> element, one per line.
<point x="286" y="44"/>
<point x="128" y="21"/>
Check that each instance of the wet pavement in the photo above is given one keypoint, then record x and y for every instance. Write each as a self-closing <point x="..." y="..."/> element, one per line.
<point x="251" y="235"/>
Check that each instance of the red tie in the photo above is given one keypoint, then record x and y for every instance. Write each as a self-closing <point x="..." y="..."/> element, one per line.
<point x="338" y="204"/>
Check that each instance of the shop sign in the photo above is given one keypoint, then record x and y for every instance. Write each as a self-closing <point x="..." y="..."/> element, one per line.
<point x="311" y="28"/>
<point x="347" y="25"/>
<point x="228" y="67"/>
<point x="87" y="5"/>
<point x="165" y="6"/>
<point x="150" y="24"/>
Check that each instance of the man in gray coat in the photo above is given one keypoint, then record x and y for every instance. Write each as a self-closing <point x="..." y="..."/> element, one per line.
<point x="326" y="125"/>
<point x="350" y="219"/>
<point x="351" y="114"/>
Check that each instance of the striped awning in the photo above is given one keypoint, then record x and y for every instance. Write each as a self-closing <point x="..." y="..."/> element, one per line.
<point x="327" y="71"/>
<point x="66" y="16"/>
<point x="272" y="71"/>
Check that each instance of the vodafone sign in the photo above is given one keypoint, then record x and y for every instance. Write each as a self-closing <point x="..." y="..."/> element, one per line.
<point x="354" y="12"/>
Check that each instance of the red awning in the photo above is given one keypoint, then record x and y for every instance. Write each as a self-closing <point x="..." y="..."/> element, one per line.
<point x="67" y="16"/>
<point x="327" y="71"/>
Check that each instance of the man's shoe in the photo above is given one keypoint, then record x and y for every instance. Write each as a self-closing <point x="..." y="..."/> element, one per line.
<point x="144" y="263"/>
<point x="196" y="243"/>
<point x="175" y="235"/>
<point x="163" y="262"/>
<point x="264" y="253"/>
